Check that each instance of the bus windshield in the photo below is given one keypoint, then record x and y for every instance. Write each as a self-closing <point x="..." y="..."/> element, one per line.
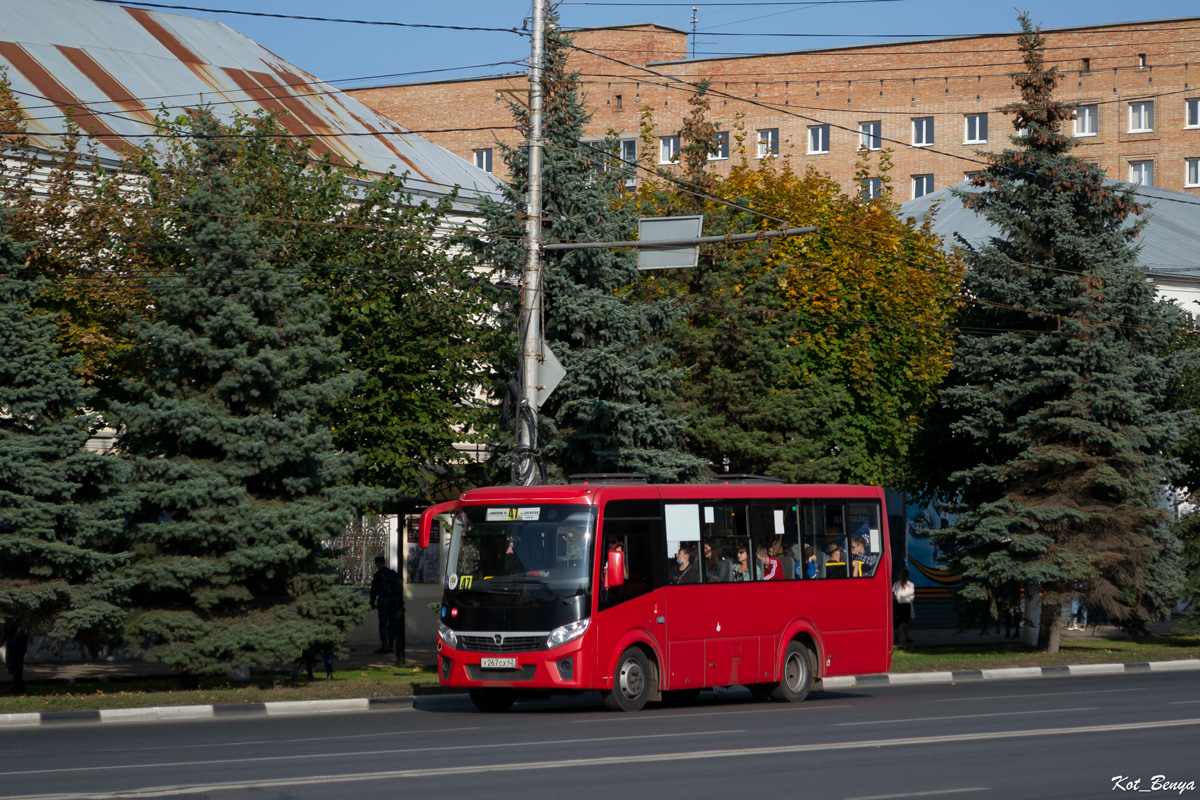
<point x="530" y="554"/>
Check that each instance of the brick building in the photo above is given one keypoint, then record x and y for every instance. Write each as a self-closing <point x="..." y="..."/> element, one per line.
<point x="933" y="103"/>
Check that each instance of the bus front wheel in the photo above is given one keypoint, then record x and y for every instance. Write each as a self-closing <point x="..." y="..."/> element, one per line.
<point x="797" y="674"/>
<point x="493" y="700"/>
<point x="631" y="684"/>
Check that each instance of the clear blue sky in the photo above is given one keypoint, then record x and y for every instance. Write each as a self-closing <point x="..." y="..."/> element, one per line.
<point x="352" y="54"/>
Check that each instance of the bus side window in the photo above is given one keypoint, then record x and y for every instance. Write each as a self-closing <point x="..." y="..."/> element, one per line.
<point x="866" y="538"/>
<point x="812" y="541"/>
<point x="768" y="530"/>
<point x="716" y="553"/>
<point x="634" y="525"/>
<point x="835" y="549"/>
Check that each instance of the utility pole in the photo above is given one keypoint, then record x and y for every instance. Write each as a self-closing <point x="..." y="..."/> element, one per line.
<point x="526" y="469"/>
<point x="695" y="19"/>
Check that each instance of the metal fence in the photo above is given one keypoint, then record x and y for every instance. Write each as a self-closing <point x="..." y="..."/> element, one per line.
<point x="362" y="540"/>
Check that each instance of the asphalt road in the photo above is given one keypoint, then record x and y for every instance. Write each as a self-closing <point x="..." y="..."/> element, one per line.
<point x="1046" y="738"/>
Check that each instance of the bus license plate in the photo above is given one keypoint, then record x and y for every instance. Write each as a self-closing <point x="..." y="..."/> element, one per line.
<point x="498" y="663"/>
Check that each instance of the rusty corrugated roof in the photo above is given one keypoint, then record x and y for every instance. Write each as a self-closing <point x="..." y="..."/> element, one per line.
<point x="113" y="68"/>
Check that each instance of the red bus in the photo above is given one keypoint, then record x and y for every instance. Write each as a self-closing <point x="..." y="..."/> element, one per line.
<point x="654" y="592"/>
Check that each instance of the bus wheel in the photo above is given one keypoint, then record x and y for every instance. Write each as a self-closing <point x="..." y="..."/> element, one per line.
<point x="797" y="675"/>
<point x="631" y="686"/>
<point x="493" y="700"/>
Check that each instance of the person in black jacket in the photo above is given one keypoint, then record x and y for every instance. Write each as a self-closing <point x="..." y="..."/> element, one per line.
<point x="385" y="599"/>
<point x="16" y="641"/>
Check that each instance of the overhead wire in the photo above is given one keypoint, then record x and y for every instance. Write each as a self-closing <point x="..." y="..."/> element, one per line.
<point x="672" y="81"/>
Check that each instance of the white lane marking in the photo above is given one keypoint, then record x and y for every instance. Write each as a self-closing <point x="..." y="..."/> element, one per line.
<point x="177" y="747"/>
<point x="933" y="793"/>
<point x="312" y="756"/>
<point x="606" y="761"/>
<point x="976" y="698"/>
<point x="790" y="708"/>
<point x="1182" y="702"/>
<point x="960" y="716"/>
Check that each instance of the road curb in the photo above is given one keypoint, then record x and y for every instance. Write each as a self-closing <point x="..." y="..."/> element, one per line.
<point x="225" y="711"/>
<point x="963" y="676"/>
<point x="315" y="707"/>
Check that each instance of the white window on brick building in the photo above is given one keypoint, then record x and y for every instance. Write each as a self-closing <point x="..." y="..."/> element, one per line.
<point x="1141" y="173"/>
<point x="720" y="147"/>
<point x="1141" y="116"/>
<point x="1193" y="112"/>
<point x="870" y="188"/>
<point x="629" y="161"/>
<point x="870" y="135"/>
<point x="818" y="139"/>
<point x="668" y="149"/>
<point x="768" y="142"/>
<point x="977" y="129"/>
<point x="970" y="174"/>
<point x="1192" y="175"/>
<point x="1086" y="123"/>
<point x="922" y="131"/>
<point x="921" y="185"/>
<point x="483" y="159"/>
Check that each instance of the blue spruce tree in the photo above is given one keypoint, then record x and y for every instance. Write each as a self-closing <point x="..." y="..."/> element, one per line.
<point x="239" y="485"/>
<point x="1057" y="406"/>
<point x="61" y="505"/>
<point x="610" y="411"/>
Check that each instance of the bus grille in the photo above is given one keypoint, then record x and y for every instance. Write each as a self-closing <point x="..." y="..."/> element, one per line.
<point x="520" y="674"/>
<point x="511" y="644"/>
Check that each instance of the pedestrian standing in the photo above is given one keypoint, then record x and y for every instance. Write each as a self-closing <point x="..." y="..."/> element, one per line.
<point x="385" y="599"/>
<point x="16" y="641"/>
<point x="903" y="594"/>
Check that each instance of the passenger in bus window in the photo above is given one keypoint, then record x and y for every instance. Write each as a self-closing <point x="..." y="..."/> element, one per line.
<point x="835" y="563"/>
<point x="742" y="570"/>
<point x="686" y="570"/>
<point x="716" y="570"/>
<point x="787" y="564"/>
<point x="810" y="561"/>
<point x="770" y="569"/>
<point x="864" y="562"/>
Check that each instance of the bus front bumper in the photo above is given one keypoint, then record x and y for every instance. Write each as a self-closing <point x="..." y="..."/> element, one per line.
<point x="562" y="668"/>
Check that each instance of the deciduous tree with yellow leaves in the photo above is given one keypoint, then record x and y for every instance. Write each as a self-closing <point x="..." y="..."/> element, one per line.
<point x="811" y="357"/>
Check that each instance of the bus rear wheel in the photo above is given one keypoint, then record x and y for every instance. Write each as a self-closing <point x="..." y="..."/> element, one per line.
<point x="493" y="701"/>
<point x="631" y="684"/>
<point x="797" y="675"/>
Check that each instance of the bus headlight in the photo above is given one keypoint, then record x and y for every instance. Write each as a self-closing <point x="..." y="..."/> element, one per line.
<point x="566" y="633"/>
<point x="447" y="635"/>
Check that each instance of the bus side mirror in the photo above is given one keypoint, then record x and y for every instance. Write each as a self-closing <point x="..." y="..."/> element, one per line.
<point x="427" y="520"/>
<point x="614" y="575"/>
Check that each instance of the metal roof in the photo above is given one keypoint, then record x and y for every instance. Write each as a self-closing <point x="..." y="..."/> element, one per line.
<point x="113" y="68"/>
<point x="1168" y="245"/>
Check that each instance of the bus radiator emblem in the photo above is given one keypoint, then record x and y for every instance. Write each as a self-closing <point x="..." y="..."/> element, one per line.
<point x="498" y="639"/>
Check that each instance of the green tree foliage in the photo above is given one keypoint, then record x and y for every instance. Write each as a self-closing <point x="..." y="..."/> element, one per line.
<point x="61" y="507"/>
<point x="411" y="310"/>
<point x="74" y="219"/>
<point x="1056" y="410"/>
<point x="239" y="483"/>
<point x="609" y="413"/>
<point x="812" y="357"/>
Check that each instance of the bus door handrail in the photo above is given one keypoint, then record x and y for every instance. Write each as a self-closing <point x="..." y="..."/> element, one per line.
<point x="427" y="519"/>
